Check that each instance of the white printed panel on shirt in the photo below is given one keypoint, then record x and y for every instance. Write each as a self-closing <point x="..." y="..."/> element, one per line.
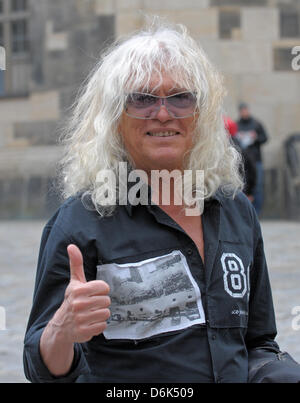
<point x="151" y="297"/>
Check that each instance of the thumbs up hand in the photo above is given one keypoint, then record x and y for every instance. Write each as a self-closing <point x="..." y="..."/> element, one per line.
<point x="76" y="264"/>
<point x="84" y="312"/>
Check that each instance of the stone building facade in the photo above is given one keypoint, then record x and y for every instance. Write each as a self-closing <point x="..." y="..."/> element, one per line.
<point x="51" y="46"/>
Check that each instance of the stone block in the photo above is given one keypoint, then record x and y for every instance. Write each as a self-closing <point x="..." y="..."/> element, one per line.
<point x="20" y="72"/>
<point x="29" y="161"/>
<point x="64" y="14"/>
<point x="233" y="97"/>
<point x="127" y="5"/>
<point x="44" y="106"/>
<point x="241" y="3"/>
<point x="276" y="88"/>
<point x="6" y="134"/>
<point x="239" y="57"/>
<point x="260" y="23"/>
<point x="104" y="7"/>
<point x="201" y="23"/>
<point x="228" y="21"/>
<point x="104" y="31"/>
<point x="38" y="106"/>
<point x="14" y="109"/>
<point x="37" y="133"/>
<point x="10" y="200"/>
<point x="55" y="40"/>
<point x="287" y="118"/>
<point x="27" y="197"/>
<point x="34" y="197"/>
<point x="127" y="22"/>
<point x="273" y="194"/>
<point x="174" y="4"/>
<point x="67" y="96"/>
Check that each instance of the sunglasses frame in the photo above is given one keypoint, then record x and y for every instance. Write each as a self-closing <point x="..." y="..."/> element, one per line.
<point x="162" y="103"/>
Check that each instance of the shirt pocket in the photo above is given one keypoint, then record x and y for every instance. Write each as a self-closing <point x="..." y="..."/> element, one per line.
<point x="229" y="288"/>
<point x="151" y="297"/>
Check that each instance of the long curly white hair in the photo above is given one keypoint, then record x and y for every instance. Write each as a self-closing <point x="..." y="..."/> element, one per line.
<point x="91" y="138"/>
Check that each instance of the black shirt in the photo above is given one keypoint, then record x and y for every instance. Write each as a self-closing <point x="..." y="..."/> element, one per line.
<point x="233" y="281"/>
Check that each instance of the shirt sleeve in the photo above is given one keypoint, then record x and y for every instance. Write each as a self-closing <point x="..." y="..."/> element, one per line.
<point x="52" y="278"/>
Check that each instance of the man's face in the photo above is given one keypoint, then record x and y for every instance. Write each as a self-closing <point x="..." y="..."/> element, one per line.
<point x="152" y="152"/>
<point x="244" y="113"/>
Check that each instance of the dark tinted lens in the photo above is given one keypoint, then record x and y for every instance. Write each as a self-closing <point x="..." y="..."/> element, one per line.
<point x="140" y="101"/>
<point x="185" y="100"/>
<point x="146" y="106"/>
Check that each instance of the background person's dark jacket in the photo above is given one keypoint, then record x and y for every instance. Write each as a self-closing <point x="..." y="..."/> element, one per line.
<point x="248" y="170"/>
<point x="251" y="124"/>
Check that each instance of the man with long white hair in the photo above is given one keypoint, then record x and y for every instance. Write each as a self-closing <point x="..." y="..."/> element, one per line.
<point x="153" y="269"/>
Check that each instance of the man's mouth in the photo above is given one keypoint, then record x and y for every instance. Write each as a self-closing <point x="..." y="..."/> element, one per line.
<point x="162" y="134"/>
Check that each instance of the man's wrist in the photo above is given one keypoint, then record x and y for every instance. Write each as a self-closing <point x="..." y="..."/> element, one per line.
<point x="56" y="350"/>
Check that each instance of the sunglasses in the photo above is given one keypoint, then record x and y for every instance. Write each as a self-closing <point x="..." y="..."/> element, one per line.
<point x="140" y="105"/>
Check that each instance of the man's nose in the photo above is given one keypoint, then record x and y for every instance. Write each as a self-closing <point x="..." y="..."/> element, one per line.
<point x="163" y="114"/>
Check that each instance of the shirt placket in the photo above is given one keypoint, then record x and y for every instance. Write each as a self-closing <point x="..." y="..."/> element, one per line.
<point x="211" y="224"/>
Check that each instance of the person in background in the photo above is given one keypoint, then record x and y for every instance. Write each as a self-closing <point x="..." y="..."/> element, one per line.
<point x="248" y="168"/>
<point x="251" y="135"/>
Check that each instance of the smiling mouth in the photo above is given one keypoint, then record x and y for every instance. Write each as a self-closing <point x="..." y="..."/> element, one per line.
<point x="162" y="134"/>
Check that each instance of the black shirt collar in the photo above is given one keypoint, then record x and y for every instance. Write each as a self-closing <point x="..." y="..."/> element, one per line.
<point x="217" y="197"/>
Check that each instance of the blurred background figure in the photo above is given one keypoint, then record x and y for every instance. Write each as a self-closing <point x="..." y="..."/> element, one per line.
<point x="248" y="167"/>
<point x="251" y="135"/>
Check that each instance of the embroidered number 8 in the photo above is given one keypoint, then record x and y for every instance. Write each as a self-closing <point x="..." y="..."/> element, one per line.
<point x="235" y="280"/>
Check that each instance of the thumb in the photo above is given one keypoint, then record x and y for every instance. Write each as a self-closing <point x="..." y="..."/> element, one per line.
<point x="76" y="264"/>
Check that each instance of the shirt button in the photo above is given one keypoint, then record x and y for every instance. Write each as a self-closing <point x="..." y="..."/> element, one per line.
<point x="189" y="251"/>
<point x="213" y="337"/>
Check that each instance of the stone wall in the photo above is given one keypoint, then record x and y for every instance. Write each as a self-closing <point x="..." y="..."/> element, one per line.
<point x="66" y="38"/>
<point x="250" y="41"/>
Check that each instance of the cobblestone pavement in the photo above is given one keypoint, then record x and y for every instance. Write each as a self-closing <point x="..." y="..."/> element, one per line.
<point x="19" y="243"/>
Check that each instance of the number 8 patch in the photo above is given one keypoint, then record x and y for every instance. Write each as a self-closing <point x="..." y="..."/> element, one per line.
<point x="235" y="280"/>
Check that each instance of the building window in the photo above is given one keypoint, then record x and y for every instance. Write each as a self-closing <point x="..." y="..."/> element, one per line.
<point x="18" y="5"/>
<point x="2" y="89"/>
<point x="19" y="36"/>
<point x="1" y="34"/>
<point x="282" y="59"/>
<point x="289" y="24"/>
<point x="229" y="20"/>
<point x="14" y="36"/>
